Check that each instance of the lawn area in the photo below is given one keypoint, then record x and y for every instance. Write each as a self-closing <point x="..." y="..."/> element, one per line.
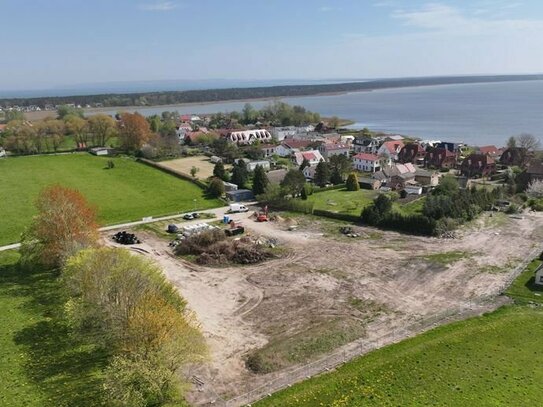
<point x="125" y="193"/>
<point x="493" y="360"/>
<point x="343" y="201"/>
<point x="523" y="289"/>
<point x="204" y="165"/>
<point x="352" y="202"/>
<point x="40" y="365"/>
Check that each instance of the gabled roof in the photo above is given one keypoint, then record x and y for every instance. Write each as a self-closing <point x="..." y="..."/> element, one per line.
<point x="393" y="146"/>
<point x="489" y="150"/>
<point x="295" y="143"/>
<point x="366" y="156"/>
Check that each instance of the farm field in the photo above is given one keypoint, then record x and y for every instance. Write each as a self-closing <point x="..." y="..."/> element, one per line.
<point x="485" y="361"/>
<point x="125" y="193"/>
<point x="39" y="364"/>
<point x="352" y="202"/>
<point x="185" y="164"/>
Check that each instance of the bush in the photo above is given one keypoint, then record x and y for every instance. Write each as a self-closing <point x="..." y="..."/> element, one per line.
<point x="352" y="182"/>
<point x="199" y="243"/>
<point x="216" y="188"/>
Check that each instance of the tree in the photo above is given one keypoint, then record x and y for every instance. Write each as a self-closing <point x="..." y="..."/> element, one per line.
<point x="340" y="165"/>
<point x="535" y="189"/>
<point x="322" y="174"/>
<point x="134" y="131"/>
<point x="240" y="174"/>
<point x="77" y="126"/>
<point x="219" y="171"/>
<point x="511" y="142"/>
<point x="293" y="182"/>
<point x="352" y="182"/>
<point x="528" y="142"/>
<point x="304" y="164"/>
<point x="447" y="186"/>
<point x="333" y="122"/>
<point x="216" y="188"/>
<point x="65" y="224"/>
<point x="260" y="180"/>
<point x="11" y="115"/>
<point x="193" y="171"/>
<point x="65" y="110"/>
<point x="249" y="114"/>
<point x="101" y="128"/>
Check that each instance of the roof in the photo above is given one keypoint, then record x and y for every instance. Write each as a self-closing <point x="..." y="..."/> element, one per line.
<point x="264" y="146"/>
<point x="366" y="180"/>
<point x="329" y="147"/>
<point x="296" y="143"/>
<point x="489" y="150"/>
<point x="366" y="156"/>
<point x="535" y="167"/>
<point x="393" y="146"/>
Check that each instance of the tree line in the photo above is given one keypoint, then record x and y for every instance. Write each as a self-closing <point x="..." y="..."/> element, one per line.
<point x="119" y="303"/>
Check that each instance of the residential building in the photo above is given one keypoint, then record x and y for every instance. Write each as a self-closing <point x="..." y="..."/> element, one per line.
<point x="366" y="162"/>
<point x="251" y="165"/>
<point x="330" y="149"/>
<point x="427" y="178"/>
<point x="391" y="149"/>
<point x="245" y="137"/>
<point x="240" y="195"/>
<point x="363" y="144"/>
<point x="268" y="149"/>
<point x="514" y="156"/>
<point x="492" y="151"/>
<point x="478" y="165"/>
<point x="452" y="147"/>
<point x="288" y="147"/>
<point x="412" y="153"/>
<point x="437" y="157"/>
<point x="369" y="183"/>
<point x="312" y="156"/>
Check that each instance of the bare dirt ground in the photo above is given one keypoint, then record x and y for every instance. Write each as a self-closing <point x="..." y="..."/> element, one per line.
<point x="384" y="281"/>
<point x="185" y="164"/>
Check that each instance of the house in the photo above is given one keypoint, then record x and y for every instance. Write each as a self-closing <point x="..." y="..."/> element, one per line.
<point x="268" y="149"/>
<point x="492" y="151"/>
<point x="426" y="178"/>
<point x="534" y="171"/>
<point x="366" y="162"/>
<point x="289" y="146"/>
<point x="478" y="165"/>
<point x="390" y="149"/>
<point x="364" y="144"/>
<point x="251" y="165"/>
<point x="399" y="175"/>
<point x="245" y="137"/>
<point x="514" y="156"/>
<point x="437" y="157"/>
<point x="539" y="275"/>
<point x="412" y="153"/>
<point x="240" y="195"/>
<point x="281" y="133"/>
<point x="412" y="189"/>
<point x="312" y="156"/>
<point x="330" y="149"/>
<point x="309" y="172"/>
<point x="452" y="147"/>
<point x="369" y="183"/>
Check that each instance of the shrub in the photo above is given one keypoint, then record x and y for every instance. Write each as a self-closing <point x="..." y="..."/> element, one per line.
<point x="216" y="188"/>
<point x="352" y="182"/>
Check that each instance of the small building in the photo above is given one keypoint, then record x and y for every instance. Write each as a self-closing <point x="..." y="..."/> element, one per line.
<point x="312" y="156"/>
<point x="330" y="149"/>
<point x="251" y="165"/>
<point x="240" y="195"/>
<point x="289" y="146"/>
<point x="438" y="157"/>
<point x="268" y="149"/>
<point x="412" y="189"/>
<point x="514" y="156"/>
<point x="539" y="275"/>
<point x="492" y="151"/>
<point x="364" y="144"/>
<point x="102" y="151"/>
<point x="426" y="178"/>
<point x="391" y="149"/>
<point x="481" y="165"/>
<point x="412" y="153"/>
<point x="245" y="137"/>
<point x="366" y="162"/>
<point x="229" y="186"/>
<point x="369" y="183"/>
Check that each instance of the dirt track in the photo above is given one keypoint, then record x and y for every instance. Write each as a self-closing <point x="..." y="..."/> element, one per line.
<point x="242" y="308"/>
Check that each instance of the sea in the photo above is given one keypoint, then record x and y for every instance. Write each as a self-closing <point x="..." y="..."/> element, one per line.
<point x="476" y="114"/>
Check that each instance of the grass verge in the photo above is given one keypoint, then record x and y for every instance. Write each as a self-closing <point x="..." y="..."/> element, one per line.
<point x="524" y="289"/>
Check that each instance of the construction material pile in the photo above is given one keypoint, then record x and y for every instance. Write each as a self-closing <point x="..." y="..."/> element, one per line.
<point x="348" y="231"/>
<point x="126" y="238"/>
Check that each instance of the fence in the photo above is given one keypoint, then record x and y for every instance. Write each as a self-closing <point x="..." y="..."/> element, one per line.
<point x="363" y="345"/>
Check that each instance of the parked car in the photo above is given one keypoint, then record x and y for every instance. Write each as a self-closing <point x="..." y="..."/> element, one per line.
<point x="188" y="216"/>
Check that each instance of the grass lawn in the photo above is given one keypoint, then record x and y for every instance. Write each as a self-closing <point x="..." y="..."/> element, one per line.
<point x="203" y="163"/>
<point x="40" y="364"/>
<point x="125" y="193"/>
<point x="352" y="202"/>
<point x="523" y="289"/>
<point x="492" y="360"/>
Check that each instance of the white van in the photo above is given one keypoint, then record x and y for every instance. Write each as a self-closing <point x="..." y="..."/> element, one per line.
<point x="235" y="208"/>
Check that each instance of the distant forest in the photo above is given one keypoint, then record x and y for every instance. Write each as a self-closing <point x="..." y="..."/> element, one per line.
<point x="217" y="95"/>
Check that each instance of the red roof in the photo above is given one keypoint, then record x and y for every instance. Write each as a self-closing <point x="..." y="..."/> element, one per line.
<point x="309" y="156"/>
<point x="366" y="156"/>
<point x="296" y="143"/>
<point x="488" y="150"/>
<point x="393" y="146"/>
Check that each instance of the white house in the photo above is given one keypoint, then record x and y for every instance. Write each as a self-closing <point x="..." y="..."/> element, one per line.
<point x="390" y="149"/>
<point x="312" y="156"/>
<point x="290" y="146"/>
<point x="268" y="149"/>
<point x="249" y="136"/>
<point x="263" y="163"/>
<point x="330" y="149"/>
<point x="362" y="144"/>
<point x="366" y="162"/>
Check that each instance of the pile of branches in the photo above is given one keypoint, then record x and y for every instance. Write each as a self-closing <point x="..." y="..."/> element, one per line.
<point x="214" y="248"/>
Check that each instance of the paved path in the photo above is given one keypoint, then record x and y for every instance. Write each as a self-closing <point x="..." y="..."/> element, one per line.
<point x="218" y="212"/>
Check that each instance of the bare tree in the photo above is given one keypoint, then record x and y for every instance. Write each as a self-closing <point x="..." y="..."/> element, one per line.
<point x="528" y="141"/>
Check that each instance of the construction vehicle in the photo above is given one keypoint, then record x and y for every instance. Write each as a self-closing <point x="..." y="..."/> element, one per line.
<point x="262" y="216"/>
<point x="235" y="228"/>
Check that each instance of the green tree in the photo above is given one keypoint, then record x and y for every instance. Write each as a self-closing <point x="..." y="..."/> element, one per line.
<point x="511" y="142"/>
<point x="340" y="166"/>
<point x="352" y="182"/>
<point x="304" y="164"/>
<point x="65" y="110"/>
<point x="447" y="186"/>
<point x="322" y="174"/>
<point x="240" y="174"/>
<point x="219" y="171"/>
<point x="216" y="188"/>
<point x="293" y="182"/>
<point x="10" y="115"/>
<point x="260" y="180"/>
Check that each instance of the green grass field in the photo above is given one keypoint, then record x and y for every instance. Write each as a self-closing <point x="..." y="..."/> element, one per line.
<point x="494" y="360"/>
<point x="40" y="364"/>
<point x="352" y="202"/>
<point x="523" y="289"/>
<point x="125" y="193"/>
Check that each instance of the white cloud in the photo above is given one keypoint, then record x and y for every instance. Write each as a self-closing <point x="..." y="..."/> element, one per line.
<point x="326" y="9"/>
<point x="159" y="6"/>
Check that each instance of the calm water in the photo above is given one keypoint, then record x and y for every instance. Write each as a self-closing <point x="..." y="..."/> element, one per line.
<point x="472" y="113"/>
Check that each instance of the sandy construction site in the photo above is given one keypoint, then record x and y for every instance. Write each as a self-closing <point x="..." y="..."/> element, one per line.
<point x="327" y="289"/>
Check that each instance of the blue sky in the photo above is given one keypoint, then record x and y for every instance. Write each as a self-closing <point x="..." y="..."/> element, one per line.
<point x="49" y="43"/>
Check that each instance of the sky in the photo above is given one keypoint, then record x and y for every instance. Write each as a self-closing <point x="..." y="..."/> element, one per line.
<point x="56" y="43"/>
